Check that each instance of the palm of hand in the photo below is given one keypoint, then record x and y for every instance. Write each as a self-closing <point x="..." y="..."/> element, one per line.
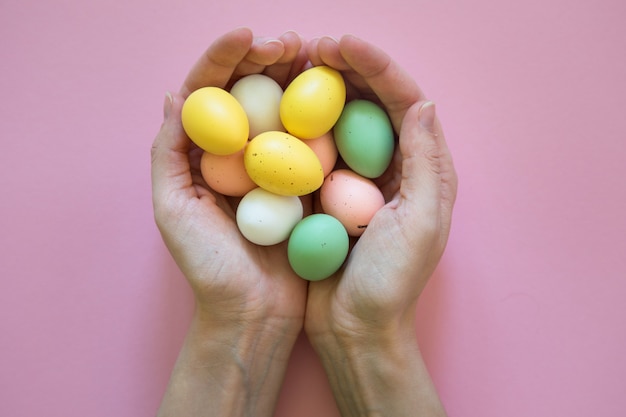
<point x="229" y="275"/>
<point x="364" y="289"/>
<point x="392" y="261"/>
<point x="227" y="271"/>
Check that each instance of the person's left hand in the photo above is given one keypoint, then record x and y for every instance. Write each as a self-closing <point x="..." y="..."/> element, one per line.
<point x="231" y="277"/>
<point x="249" y="303"/>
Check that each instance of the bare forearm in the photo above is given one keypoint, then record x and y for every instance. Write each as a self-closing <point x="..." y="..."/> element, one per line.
<point x="233" y="372"/>
<point x="378" y="378"/>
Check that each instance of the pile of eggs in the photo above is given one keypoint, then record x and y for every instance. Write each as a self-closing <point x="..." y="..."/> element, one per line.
<point x="271" y="147"/>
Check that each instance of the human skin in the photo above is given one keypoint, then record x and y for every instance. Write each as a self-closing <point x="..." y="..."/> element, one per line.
<point x="250" y="306"/>
<point x="361" y="321"/>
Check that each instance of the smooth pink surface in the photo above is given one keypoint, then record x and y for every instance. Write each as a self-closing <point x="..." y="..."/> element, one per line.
<point x="525" y="315"/>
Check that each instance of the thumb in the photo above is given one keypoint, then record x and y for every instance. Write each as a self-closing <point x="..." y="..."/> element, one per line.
<point x="421" y="162"/>
<point x="170" y="160"/>
<point x="167" y="105"/>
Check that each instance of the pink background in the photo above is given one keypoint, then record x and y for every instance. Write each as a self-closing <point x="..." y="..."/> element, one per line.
<point x="525" y="315"/>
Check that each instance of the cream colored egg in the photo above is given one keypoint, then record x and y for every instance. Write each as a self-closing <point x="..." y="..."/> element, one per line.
<point x="266" y="218"/>
<point x="260" y="96"/>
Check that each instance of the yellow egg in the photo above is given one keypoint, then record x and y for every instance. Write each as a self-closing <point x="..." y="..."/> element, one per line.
<point x="215" y="121"/>
<point x="312" y="102"/>
<point x="283" y="164"/>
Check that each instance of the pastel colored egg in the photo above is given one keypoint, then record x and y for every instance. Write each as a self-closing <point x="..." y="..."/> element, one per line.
<point x="226" y="174"/>
<point x="312" y="102"/>
<point x="260" y="96"/>
<point x="351" y="199"/>
<point x="318" y="246"/>
<point x="283" y="164"/>
<point x="215" y="121"/>
<point x="265" y="218"/>
<point x="365" y="138"/>
<point x="325" y="149"/>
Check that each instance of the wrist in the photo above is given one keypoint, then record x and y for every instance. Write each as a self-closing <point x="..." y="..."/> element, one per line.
<point x="353" y="326"/>
<point x="243" y="329"/>
<point x="248" y="351"/>
<point x="228" y="369"/>
<point x="377" y="374"/>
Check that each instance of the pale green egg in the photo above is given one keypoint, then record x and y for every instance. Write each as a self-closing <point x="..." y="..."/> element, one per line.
<point x="317" y="247"/>
<point x="365" y="138"/>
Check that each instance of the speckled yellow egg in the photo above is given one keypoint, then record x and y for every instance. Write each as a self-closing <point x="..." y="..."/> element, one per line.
<point x="283" y="164"/>
<point x="215" y="121"/>
<point x="313" y="102"/>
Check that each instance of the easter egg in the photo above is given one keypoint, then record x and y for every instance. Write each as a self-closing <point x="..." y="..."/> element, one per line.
<point x="266" y="218"/>
<point x="260" y="96"/>
<point x="365" y="138"/>
<point x="351" y="199"/>
<point x="215" y="121"/>
<point x="325" y="149"/>
<point x="317" y="247"/>
<point x="283" y="164"/>
<point x="312" y="102"/>
<point x="226" y="174"/>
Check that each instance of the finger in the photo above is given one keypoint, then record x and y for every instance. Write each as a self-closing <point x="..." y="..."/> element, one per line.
<point x="447" y="173"/>
<point x="170" y="161"/>
<point x="263" y="52"/>
<point x="313" y="53"/>
<point x="428" y="184"/>
<point x="396" y="90"/>
<point x="329" y="54"/>
<point x="325" y="51"/>
<point x="292" y="61"/>
<point x="299" y="64"/>
<point x="216" y="66"/>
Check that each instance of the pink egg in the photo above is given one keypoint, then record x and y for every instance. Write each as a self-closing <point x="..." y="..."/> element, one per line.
<point x="326" y="151"/>
<point x="351" y="199"/>
<point x="226" y="174"/>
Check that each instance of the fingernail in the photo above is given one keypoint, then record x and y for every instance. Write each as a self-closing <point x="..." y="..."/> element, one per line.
<point x="167" y="105"/>
<point x="351" y="35"/>
<point x="426" y="116"/>
<point x="290" y="32"/>
<point x="331" y="38"/>
<point x="273" y="42"/>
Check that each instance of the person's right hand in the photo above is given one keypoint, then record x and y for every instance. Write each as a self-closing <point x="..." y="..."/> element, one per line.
<point x="361" y="321"/>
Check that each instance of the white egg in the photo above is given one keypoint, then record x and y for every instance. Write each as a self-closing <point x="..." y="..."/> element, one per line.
<point x="260" y="96"/>
<point x="266" y="218"/>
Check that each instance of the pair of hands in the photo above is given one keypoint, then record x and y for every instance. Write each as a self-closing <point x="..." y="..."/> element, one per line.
<point x="240" y="285"/>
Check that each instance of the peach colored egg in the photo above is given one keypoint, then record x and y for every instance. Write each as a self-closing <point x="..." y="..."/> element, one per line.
<point x="351" y="199"/>
<point x="226" y="174"/>
<point x="325" y="149"/>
